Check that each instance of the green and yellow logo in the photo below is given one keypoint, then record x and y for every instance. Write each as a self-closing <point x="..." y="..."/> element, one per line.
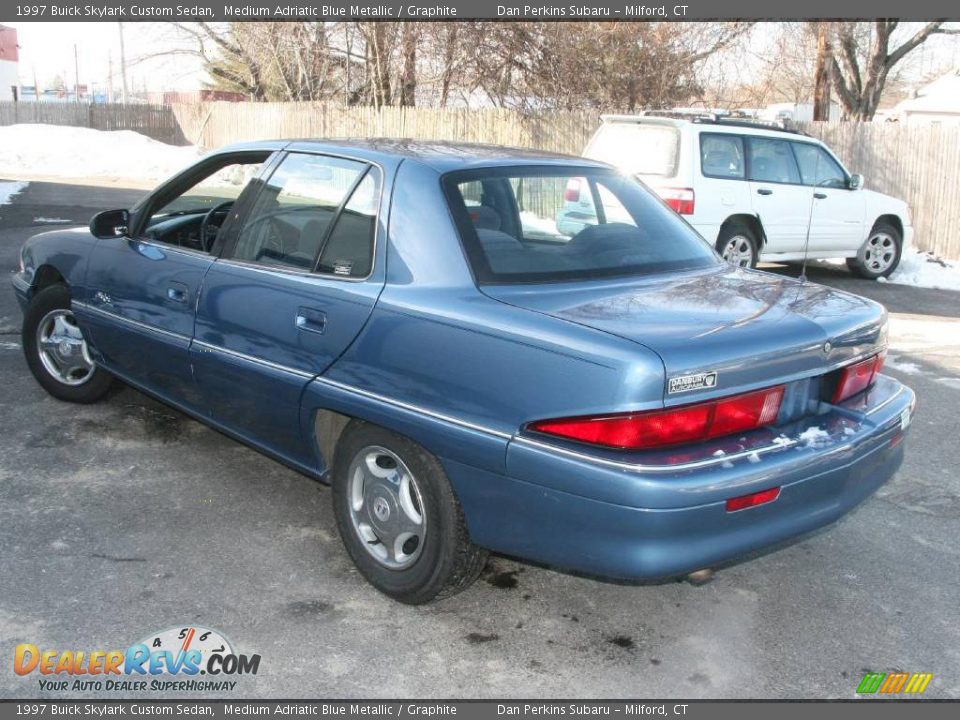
<point x="894" y="683"/>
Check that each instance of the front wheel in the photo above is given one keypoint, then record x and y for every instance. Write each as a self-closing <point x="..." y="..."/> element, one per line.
<point x="880" y="254"/>
<point x="57" y="352"/>
<point x="399" y="518"/>
<point x="738" y="245"/>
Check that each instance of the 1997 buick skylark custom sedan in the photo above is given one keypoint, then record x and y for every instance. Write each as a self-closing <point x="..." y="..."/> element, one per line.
<point x="406" y="321"/>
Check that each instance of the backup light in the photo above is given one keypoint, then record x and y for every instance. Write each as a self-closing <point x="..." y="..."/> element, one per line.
<point x="857" y="377"/>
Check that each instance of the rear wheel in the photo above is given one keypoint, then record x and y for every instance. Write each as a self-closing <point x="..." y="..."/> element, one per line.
<point x="880" y="254"/>
<point x="57" y="352"/>
<point x="737" y="244"/>
<point x="399" y="518"/>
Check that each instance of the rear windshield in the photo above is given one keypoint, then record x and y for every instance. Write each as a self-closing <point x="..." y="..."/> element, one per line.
<point x="637" y="148"/>
<point x="521" y="225"/>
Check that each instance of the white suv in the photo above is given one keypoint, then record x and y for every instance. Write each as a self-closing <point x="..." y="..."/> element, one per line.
<point x="752" y="191"/>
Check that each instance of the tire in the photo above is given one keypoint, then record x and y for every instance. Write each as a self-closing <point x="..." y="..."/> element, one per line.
<point x="739" y="241"/>
<point x="48" y="314"/>
<point x="442" y="561"/>
<point x="880" y="253"/>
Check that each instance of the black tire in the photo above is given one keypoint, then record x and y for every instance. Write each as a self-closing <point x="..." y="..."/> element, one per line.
<point x="448" y="561"/>
<point x="749" y="242"/>
<point x="57" y="297"/>
<point x="867" y="266"/>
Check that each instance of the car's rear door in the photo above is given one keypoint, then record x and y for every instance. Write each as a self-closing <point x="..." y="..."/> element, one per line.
<point x="294" y="286"/>
<point x="779" y="199"/>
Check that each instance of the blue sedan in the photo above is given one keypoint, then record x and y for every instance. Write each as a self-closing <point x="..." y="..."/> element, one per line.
<point x="407" y="322"/>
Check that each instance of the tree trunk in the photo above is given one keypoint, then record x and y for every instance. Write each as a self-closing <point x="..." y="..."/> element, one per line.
<point x="408" y="76"/>
<point x="821" y="76"/>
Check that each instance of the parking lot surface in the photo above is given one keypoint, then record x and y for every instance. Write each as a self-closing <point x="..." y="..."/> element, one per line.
<point x="125" y="518"/>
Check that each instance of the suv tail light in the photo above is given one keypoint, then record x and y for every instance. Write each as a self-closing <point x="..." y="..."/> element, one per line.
<point x="572" y="193"/>
<point x="680" y="200"/>
<point x="657" y="428"/>
<point x="857" y="377"/>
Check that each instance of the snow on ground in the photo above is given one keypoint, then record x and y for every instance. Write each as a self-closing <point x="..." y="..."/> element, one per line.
<point x="922" y="269"/>
<point x="71" y="152"/>
<point x="51" y="220"/>
<point x="894" y="362"/>
<point x="9" y="189"/>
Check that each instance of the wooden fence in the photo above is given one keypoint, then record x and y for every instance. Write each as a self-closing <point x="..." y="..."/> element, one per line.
<point x="919" y="163"/>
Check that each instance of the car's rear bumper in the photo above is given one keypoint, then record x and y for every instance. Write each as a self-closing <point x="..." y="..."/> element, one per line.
<point x="640" y="524"/>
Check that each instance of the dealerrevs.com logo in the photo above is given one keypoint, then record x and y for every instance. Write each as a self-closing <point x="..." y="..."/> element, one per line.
<point x="171" y="661"/>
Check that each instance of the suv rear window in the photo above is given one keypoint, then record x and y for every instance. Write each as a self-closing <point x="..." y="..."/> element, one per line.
<point x="637" y="148"/>
<point x="551" y="224"/>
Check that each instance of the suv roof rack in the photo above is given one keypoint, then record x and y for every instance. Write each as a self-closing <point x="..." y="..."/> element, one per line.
<point x="720" y="117"/>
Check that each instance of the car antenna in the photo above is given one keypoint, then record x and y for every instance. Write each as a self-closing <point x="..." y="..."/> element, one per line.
<point x="814" y="196"/>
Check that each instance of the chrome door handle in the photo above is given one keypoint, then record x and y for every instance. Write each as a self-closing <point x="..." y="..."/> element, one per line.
<point x="311" y="320"/>
<point x="177" y="292"/>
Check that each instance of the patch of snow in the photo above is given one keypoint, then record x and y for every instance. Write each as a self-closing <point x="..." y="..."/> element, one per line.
<point x="719" y="453"/>
<point x="923" y="269"/>
<point x="912" y="334"/>
<point x="9" y="189"/>
<point x="726" y="464"/>
<point x="849" y="431"/>
<point x="813" y="436"/>
<point x="753" y="457"/>
<point x="782" y="440"/>
<point x="7" y="345"/>
<point x="950" y="382"/>
<point x="72" y="152"/>
<point x="894" y="363"/>
<point x="532" y="221"/>
<point x="51" y="221"/>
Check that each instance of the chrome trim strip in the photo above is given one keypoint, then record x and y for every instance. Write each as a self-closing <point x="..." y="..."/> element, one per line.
<point x="638" y="467"/>
<point x="128" y="321"/>
<point x="253" y="359"/>
<point x="415" y="408"/>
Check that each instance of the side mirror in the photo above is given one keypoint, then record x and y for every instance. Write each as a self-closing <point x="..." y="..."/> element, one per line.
<point x="856" y="182"/>
<point x="110" y="224"/>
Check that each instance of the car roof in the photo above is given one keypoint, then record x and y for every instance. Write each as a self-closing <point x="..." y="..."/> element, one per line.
<point x="732" y="126"/>
<point x="443" y="156"/>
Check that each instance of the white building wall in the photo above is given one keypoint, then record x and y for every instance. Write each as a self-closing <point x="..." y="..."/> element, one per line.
<point x="8" y="78"/>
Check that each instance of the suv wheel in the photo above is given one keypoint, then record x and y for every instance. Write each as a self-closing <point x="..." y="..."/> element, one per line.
<point x="880" y="254"/>
<point x="56" y="350"/>
<point x="738" y="245"/>
<point x="399" y="518"/>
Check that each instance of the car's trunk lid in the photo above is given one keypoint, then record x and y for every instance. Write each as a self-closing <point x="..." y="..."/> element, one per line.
<point x="717" y="331"/>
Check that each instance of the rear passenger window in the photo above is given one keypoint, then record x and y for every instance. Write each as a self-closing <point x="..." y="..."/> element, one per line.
<point x="771" y="160"/>
<point x="721" y="156"/>
<point x="818" y="168"/>
<point x="293" y="212"/>
<point x="349" y="249"/>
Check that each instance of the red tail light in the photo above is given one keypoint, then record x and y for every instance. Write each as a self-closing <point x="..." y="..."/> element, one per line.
<point x="689" y="423"/>
<point x="572" y="193"/>
<point x="680" y="200"/>
<point x="857" y="377"/>
<point x="753" y="499"/>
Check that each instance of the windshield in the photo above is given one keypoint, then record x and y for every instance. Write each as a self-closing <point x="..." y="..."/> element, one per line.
<point x="637" y="148"/>
<point x="553" y="224"/>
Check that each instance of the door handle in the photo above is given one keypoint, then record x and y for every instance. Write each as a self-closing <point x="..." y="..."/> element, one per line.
<point x="764" y="191"/>
<point x="820" y="196"/>
<point x="177" y="292"/>
<point x="311" y="320"/>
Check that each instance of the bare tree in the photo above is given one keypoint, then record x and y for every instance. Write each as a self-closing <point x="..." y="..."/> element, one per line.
<point x="863" y="58"/>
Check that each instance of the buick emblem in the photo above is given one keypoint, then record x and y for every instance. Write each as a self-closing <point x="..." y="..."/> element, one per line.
<point x="381" y="509"/>
<point x="827" y="347"/>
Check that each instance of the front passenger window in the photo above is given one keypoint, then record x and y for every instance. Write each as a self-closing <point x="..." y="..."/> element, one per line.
<point x="771" y="160"/>
<point x="294" y="211"/>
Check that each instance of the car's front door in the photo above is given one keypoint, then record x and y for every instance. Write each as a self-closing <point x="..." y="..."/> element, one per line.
<point x="837" y="222"/>
<point x="297" y="280"/>
<point x="142" y="288"/>
<point x="779" y="200"/>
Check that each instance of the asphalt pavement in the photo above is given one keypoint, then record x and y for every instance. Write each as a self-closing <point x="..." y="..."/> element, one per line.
<point x="125" y="518"/>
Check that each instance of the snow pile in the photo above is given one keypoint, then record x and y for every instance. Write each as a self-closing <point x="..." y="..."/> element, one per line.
<point x="9" y="189"/>
<point x="71" y="152"/>
<point x="923" y="269"/>
<point x="813" y="436"/>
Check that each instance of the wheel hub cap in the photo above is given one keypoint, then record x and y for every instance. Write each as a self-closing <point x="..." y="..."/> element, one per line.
<point x="386" y="508"/>
<point x="738" y="251"/>
<point x="879" y="252"/>
<point x="62" y="349"/>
